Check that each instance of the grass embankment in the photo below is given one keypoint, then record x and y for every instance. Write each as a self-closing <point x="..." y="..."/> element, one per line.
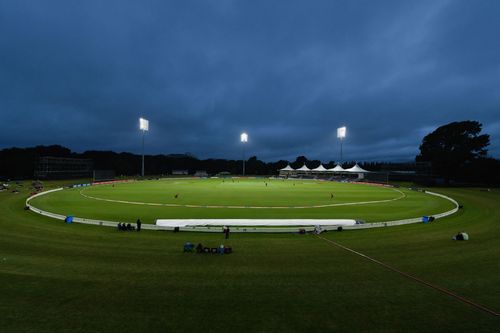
<point x="58" y="278"/>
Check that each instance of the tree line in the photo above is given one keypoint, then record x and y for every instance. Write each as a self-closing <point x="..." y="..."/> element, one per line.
<point x="19" y="163"/>
<point x="456" y="152"/>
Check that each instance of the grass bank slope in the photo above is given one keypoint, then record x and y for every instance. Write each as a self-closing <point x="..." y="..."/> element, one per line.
<point x="58" y="278"/>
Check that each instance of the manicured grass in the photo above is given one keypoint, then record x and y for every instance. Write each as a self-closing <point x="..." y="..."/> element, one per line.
<point x="241" y="193"/>
<point x="58" y="278"/>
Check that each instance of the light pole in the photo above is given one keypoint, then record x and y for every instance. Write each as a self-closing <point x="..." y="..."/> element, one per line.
<point x="144" y="127"/>
<point x="244" y="139"/>
<point x="341" y="133"/>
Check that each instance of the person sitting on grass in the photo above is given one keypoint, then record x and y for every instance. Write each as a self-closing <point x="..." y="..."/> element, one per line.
<point x="188" y="247"/>
<point x="199" y="248"/>
<point x="461" y="236"/>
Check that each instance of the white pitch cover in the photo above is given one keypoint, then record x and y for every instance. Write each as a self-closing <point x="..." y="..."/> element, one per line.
<point x="252" y="222"/>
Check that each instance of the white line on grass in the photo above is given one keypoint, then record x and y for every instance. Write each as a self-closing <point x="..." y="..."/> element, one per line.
<point x="414" y="278"/>
<point x="403" y="195"/>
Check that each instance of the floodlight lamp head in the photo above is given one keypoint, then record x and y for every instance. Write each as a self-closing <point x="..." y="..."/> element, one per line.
<point x="341" y="132"/>
<point x="143" y="124"/>
<point x="244" y="137"/>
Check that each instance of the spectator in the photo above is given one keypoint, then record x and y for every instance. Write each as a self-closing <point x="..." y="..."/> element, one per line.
<point x="226" y="230"/>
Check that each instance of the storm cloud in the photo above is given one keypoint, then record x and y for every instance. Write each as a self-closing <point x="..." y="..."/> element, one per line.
<point x="81" y="73"/>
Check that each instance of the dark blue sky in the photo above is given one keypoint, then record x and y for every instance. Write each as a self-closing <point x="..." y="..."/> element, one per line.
<point x="81" y="73"/>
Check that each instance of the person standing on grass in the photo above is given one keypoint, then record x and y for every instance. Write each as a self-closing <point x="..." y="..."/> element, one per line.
<point x="139" y="223"/>
<point x="225" y="230"/>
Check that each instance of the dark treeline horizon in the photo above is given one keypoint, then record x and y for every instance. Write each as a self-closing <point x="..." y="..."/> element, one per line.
<point x="20" y="163"/>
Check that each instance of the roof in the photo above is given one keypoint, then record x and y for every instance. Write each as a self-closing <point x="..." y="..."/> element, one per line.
<point x="320" y="168"/>
<point x="337" y="168"/>
<point x="287" y="168"/>
<point x="356" y="168"/>
<point x="304" y="168"/>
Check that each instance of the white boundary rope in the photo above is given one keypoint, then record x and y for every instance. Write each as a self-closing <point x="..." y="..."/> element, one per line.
<point x="241" y="229"/>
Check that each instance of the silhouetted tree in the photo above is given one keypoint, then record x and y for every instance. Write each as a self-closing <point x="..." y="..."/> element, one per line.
<point x="313" y="164"/>
<point x="299" y="162"/>
<point x="330" y="164"/>
<point x="451" y="147"/>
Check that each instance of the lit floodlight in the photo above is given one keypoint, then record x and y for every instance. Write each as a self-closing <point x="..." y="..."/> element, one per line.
<point x="143" y="124"/>
<point x="144" y="127"/>
<point x="243" y="139"/>
<point x="341" y="132"/>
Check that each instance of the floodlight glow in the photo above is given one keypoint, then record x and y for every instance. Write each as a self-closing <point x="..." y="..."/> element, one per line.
<point x="244" y="137"/>
<point x="143" y="124"/>
<point x="341" y="132"/>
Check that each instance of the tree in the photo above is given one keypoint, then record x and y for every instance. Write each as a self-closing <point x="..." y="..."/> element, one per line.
<point x="299" y="162"/>
<point x="451" y="147"/>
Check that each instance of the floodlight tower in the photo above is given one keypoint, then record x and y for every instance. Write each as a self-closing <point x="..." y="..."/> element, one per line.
<point x="244" y="139"/>
<point x="341" y="133"/>
<point x="144" y="127"/>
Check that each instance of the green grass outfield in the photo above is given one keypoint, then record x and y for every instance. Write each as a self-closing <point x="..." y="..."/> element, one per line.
<point x="56" y="277"/>
<point x="289" y="196"/>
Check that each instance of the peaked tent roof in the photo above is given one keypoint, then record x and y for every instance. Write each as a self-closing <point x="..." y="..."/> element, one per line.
<point x="337" y="168"/>
<point x="357" y="168"/>
<point x="304" y="168"/>
<point x="287" y="168"/>
<point x="320" y="168"/>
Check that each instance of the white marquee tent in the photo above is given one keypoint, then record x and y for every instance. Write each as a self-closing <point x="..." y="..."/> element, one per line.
<point x="337" y="168"/>
<point x="356" y="169"/>
<point x="287" y="168"/>
<point x="304" y="168"/>
<point x="321" y="168"/>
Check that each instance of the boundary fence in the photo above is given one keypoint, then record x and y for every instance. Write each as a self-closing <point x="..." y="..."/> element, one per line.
<point x="255" y="229"/>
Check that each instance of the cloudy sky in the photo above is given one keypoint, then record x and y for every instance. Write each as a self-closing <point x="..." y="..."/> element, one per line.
<point x="81" y="73"/>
